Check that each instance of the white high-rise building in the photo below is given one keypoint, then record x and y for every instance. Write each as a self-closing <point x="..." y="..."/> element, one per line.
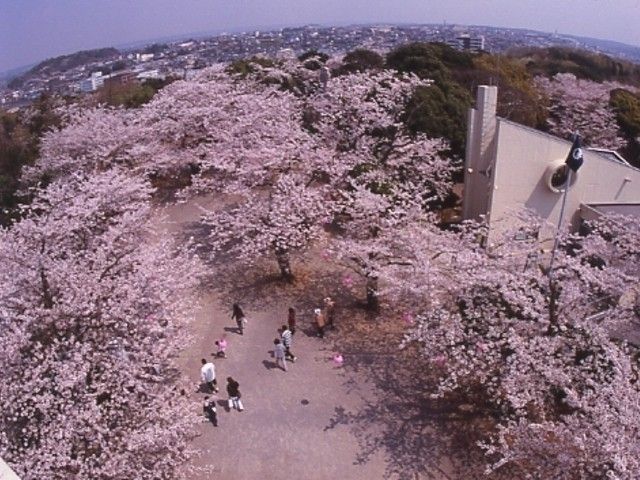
<point x="93" y="83"/>
<point x="467" y="42"/>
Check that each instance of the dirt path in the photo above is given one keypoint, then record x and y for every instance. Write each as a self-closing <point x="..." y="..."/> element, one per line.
<point x="289" y="428"/>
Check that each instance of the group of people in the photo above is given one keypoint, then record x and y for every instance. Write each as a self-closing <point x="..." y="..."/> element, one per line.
<point x="282" y="345"/>
<point x="324" y="317"/>
<point x="210" y="383"/>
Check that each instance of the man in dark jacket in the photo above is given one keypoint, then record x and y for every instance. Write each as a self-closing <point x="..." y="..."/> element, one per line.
<point x="233" y="390"/>
<point x="210" y="411"/>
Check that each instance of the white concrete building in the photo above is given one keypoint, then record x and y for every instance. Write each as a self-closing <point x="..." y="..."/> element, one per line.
<point x="144" y="57"/>
<point x="149" y="74"/>
<point x="6" y="473"/>
<point x="510" y="167"/>
<point x="93" y="83"/>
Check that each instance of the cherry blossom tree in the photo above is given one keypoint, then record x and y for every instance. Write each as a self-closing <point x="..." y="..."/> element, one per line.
<point x="89" y="139"/>
<point x="279" y="221"/>
<point x="385" y="177"/>
<point x="92" y="312"/>
<point x="539" y="356"/>
<point x="221" y="129"/>
<point x="238" y="132"/>
<point x="581" y="105"/>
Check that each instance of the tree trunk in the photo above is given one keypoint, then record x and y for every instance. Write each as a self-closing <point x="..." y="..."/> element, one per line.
<point x="284" y="263"/>
<point x="553" y="308"/>
<point x="373" y="301"/>
<point x="47" y="299"/>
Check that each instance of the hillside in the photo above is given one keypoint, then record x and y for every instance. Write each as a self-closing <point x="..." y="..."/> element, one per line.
<point x="583" y="64"/>
<point x="66" y="62"/>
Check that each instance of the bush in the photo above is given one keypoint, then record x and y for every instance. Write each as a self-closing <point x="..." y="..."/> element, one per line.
<point x="626" y="106"/>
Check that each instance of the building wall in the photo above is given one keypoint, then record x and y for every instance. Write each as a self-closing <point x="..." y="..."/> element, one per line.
<point x="507" y="170"/>
<point x="6" y="473"/>
<point x="524" y="160"/>
<point x="480" y="153"/>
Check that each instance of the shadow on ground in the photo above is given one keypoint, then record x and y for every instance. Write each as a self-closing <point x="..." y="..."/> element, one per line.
<point x="419" y="435"/>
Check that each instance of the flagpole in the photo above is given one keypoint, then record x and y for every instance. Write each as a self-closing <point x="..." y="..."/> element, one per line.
<point x="572" y="164"/>
<point x="556" y="240"/>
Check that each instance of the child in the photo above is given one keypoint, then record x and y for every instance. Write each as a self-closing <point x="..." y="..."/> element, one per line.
<point x="210" y="411"/>
<point x="222" y="348"/>
<point x="279" y="354"/>
<point x="320" y="322"/>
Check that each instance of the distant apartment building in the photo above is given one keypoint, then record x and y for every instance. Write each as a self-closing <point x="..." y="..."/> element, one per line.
<point x="120" y="79"/>
<point x="467" y="42"/>
<point x="150" y="74"/>
<point x="510" y="167"/>
<point x="144" y="57"/>
<point x="97" y="80"/>
<point x="93" y="83"/>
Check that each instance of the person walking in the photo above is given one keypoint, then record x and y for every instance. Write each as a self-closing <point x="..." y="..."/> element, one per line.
<point x="320" y="322"/>
<point x="210" y="411"/>
<point x="279" y="354"/>
<point x="208" y="376"/>
<point x="287" y="337"/>
<point x="291" y="320"/>
<point x="238" y="316"/>
<point x="329" y="312"/>
<point x="233" y="390"/>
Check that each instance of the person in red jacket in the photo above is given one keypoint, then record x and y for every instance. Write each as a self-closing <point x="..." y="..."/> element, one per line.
<point x="291" y="320"/>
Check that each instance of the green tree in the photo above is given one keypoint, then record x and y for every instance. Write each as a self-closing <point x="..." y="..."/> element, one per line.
<point x="583" y="64"/>
<point x="627" y="107"/>
<point x="440" y="111"/>
<point x="429" y="60"/>
<point x="360" y="60"/>
<point x="246" y="66"/>
<point x="313" y="54"/>
<point x="133" y="95"/>
<point x="518" y="98"/>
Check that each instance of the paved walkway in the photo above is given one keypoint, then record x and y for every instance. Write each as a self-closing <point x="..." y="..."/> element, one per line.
<point x="283" y="432"/>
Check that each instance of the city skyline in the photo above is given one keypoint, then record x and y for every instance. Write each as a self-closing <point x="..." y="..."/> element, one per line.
<point x="33" y="30"/>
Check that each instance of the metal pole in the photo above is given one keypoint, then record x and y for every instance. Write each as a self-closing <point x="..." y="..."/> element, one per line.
<point x="557" y="237"/>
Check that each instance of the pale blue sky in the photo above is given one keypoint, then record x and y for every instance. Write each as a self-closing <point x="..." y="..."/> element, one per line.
<point x="32" y="30"/>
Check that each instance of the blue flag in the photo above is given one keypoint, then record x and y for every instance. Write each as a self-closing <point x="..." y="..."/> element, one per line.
<point x="575" y="158"/>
